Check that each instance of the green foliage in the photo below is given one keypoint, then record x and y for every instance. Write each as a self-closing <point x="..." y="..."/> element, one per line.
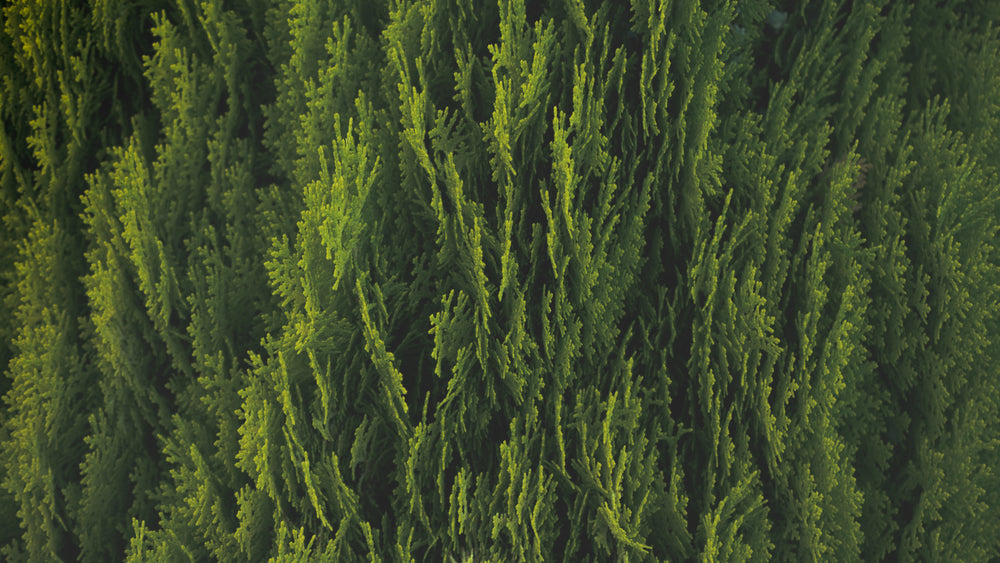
<point x="320" y="280"/>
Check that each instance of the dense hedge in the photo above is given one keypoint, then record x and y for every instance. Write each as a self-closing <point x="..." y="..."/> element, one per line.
<point x="449" y="280"/>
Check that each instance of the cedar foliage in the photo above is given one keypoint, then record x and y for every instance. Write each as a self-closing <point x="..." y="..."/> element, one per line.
<point x="323" y="280"/>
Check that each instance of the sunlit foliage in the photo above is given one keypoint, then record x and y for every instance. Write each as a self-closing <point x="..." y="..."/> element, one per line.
<point x="445" y="280"/>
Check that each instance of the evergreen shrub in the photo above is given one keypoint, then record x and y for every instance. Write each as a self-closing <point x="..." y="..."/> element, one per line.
<point x="525" y="280"/>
